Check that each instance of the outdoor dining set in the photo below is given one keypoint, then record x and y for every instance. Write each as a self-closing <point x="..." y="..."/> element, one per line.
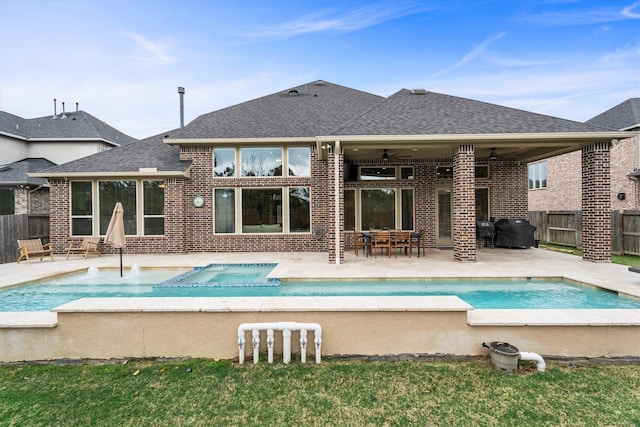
<point x="373" y="242"/>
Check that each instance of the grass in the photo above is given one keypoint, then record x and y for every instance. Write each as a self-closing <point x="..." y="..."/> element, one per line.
<point x="336" y="393"/>
<point x="630" y="260"/>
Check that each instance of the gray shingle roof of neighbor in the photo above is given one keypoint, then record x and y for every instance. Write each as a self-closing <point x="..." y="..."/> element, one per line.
<point x="308" y="110"/>
<point x="150" y="152"/>
<point x="16" y="173"/>
<point x="76" y="125"/>
<point x="624" y="116"/>
<point x="419" y="112"/>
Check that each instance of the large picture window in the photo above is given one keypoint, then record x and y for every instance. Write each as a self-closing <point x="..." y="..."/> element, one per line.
<point x="378" y="209"/>
<point x="111" y="192"/>
<point x="262" y="210"/>
<point x="261" y="161"/>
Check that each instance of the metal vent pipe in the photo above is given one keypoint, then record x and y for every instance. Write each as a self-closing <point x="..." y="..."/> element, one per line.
<point x="181" y="92"/>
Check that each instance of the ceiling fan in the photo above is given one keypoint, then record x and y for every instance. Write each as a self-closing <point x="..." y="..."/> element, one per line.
<point x="386" y="157"/>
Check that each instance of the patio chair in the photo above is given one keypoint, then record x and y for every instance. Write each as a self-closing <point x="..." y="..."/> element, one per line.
<point x="381" y="240"/>
<point x="401" y="240"/>
<point x="34" y="248"/>
<point x="88" y="245"/>
<point x="360" y="241"/>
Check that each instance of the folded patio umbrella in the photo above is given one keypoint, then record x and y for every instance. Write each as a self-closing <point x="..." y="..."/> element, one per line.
<point x="115" y="231"/>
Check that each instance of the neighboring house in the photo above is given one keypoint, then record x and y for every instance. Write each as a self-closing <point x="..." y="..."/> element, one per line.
<point x="555" y="183"/>
<point x="304" y="169"/>
<point x="30" y="145"/>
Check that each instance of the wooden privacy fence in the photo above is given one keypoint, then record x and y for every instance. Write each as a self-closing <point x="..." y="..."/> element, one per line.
<point x="14" y="227"/>
<point x="565" y="228"/>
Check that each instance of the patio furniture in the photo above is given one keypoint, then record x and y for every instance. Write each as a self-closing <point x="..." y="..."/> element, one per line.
<point x="360" y="241"/>
<point x="401" y="240"/>
<point x="381" y="240"/>
<point x="33" y="248"/>
<point x="88" y="245"/>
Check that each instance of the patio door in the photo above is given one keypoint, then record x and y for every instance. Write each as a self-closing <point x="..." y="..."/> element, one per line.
<point x="444" y="217"/>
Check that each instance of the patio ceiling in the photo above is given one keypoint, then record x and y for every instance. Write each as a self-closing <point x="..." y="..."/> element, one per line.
<point x="523" y="147"/>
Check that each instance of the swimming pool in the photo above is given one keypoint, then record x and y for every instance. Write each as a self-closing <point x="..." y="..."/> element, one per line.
<point x="252" y="280"/>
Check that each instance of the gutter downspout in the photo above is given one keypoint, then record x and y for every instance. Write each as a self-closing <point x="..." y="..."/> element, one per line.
<point x="336" y="214"/>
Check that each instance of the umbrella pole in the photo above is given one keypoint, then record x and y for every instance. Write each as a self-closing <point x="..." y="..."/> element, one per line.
<point x="120" y="262"/>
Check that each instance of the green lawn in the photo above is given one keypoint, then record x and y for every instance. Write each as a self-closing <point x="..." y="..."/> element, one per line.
<point x="335" y="393"/>
<point x="630" y="260"/>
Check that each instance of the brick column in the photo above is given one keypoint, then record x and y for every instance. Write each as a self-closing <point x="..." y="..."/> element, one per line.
<point x="464" y="202"/>
<point x="335" y="161"/>
<point x="59" y="214"/>
<point x="596" y="203"/>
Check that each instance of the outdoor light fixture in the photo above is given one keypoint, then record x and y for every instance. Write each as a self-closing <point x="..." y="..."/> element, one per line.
<point x="493" y="155"/>
<point x="385" y="156"/>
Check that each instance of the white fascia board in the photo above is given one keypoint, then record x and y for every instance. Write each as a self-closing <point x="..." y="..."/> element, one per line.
<point x="240" y="141"/>
<point x="493" y="137"/>
<point x="130" y="174"/>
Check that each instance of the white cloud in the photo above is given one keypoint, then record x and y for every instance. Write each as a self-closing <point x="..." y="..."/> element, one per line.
<point x="472" y="55"/>
<point x="586" y="16"/>
<point x="151" y="51"/>
<point x="331" y="21"/>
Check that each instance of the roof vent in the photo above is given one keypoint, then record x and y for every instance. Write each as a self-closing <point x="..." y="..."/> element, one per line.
<point x="418" y="91"/>
<point x="293" y="92"/>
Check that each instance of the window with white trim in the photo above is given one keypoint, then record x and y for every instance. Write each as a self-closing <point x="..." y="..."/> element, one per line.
<point x="537" y="175"/>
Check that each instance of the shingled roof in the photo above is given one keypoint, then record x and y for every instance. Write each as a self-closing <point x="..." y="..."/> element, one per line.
<point x="77" y="125"/>
<point x="16" y="173"/>
<point x="150" y="152"/>
<point x="309" y="110"/>
<point x="624" y="116"/>
<point x="418" y="112"/>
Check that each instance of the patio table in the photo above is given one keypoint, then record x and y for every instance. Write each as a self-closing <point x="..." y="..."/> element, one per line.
<point x="368" y="235"/>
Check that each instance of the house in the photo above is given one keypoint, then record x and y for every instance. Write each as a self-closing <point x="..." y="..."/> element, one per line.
<point x="305" y="168"/>
<point x="30" y="145"/>
<point x="555" y="183"/>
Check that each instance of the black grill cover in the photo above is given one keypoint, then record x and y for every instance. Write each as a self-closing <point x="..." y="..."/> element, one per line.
<point x="485" y="229"/>
<point x="514" y="233"/>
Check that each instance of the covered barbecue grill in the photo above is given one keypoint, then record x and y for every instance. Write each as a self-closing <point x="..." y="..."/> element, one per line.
<point x="485" y="230"/>
<point x="514" y="233"/>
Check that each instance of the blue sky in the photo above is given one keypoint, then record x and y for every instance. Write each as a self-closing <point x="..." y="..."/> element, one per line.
<point x="122" y="61"/>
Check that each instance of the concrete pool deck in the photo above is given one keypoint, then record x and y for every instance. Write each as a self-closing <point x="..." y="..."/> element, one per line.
<point x="498" y="262"/>
<point x="143" y="327"/>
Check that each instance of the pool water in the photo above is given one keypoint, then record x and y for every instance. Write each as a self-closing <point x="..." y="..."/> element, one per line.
<point x="251" y="280"/>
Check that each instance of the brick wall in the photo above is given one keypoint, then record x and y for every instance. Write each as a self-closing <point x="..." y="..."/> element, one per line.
<point x="596" y="203"/>
<point x="191" y="229"/>
<point x="564" y="180"/>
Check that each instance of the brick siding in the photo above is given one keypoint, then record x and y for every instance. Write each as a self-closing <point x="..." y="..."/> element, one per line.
<point x="564" y="180"/>
<point x="596" y="203"/>
<point x="191" y="229"/>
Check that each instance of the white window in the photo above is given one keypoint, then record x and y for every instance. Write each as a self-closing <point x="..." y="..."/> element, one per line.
<point x="537" y="175"/>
